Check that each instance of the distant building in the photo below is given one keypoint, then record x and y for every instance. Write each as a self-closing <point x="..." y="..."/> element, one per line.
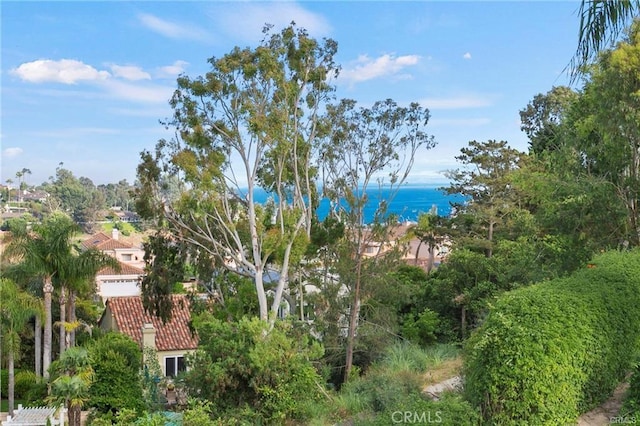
<point x="111" y="282"/>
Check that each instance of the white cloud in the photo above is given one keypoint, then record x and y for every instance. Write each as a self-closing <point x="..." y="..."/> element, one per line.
<point x="129" y="72"/>
<point x="139" y="93"/>
<point x="457" y="102"/>
<point x="177" y="68"/>
<point x="246" y="19"/>
<point x="67" y="71"/>
<point x="12" y="152"/>
<point x="467" y="55"/>
<point x="172" y="29"/>
<point x="366" y="68"/>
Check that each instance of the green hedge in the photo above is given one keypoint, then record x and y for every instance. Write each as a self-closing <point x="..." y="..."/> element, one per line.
<point x="548" y="352"/>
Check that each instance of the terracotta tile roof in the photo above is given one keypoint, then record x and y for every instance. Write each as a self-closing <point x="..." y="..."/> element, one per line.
<point x="125" y="269"/>
<point x="129" y="315"/>
<point x="102" y="241"/>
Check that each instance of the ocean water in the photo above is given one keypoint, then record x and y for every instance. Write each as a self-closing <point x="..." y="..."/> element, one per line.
<point x="409" y="202"/>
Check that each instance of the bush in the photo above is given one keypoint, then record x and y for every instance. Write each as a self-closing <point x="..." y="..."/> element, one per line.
<point x="421" y="329"/>
<point x="116" y="361"/>
<point x="631" y="406"/>
<point x="37" y="394"/>
<point x="550" y="351"/>
<point x="450" y="410"/>
<point x="244" y="363"/>
<point x="24" y="381"/>
<point x="4" y="377"/>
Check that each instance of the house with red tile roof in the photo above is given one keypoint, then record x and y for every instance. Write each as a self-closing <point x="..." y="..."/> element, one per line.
<point x="171" y="341"/>
<point x="125" y="281"/>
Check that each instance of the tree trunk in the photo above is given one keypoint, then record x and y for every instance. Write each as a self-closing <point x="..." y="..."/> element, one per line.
<point x="463" y="322"/>
<point x="262" y="296"/>
<point x="46" y="347"/>
<point x="74" y="415"/>
<point x="12" y="380"/>
<point x="489" y="251"/>
<point x="71" y="317"/>
<point x="37" y="329"/>
<point x="63" y="320"/>
<point x="415" y="262"/>
<point x="353" y="321"/>
<point x="431" y="258"/>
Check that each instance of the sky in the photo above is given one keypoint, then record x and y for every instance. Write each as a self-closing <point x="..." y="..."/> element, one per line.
<point x="86" y="83"/>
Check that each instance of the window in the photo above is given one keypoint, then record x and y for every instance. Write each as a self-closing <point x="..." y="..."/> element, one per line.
<point x="174" y="365"/>
<point x="126" y="257"/>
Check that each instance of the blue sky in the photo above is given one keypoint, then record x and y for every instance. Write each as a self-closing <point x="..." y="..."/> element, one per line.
<point x="86" y="83"/>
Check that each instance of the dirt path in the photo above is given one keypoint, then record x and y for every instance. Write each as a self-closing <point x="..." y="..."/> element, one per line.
<point x="601" y="415"/>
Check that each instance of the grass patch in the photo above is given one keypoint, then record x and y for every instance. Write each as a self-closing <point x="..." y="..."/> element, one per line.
<point x="445" y="370"/>
<point x="125" y="228"/>
<point x="4" y="404"/>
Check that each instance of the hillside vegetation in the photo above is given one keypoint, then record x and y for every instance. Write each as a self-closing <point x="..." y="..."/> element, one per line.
<point x="548" y="352"/>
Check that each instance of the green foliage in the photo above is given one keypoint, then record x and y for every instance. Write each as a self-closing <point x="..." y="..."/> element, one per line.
<point x="116" y="361"/>
<point x="199" y="413"/>
<point x="76" y="195"/>
<point x="553" y="350"/>
<point x="631" y="405"/>
<point x="421" y="329"/>
<point x="72" y="377"/>
<point x="246" y="363"/>
<point x="154" y="419"/>
<point x="165" y="267"/>
<point x="151" y="376"/>
<point x="125" y="228"/>
<point x="450" y="410"/>
<point x="25" y="380"/>
<point x="37" y="394"/>
<point x="392" y="387"/>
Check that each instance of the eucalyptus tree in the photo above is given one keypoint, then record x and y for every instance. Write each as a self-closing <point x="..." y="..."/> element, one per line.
<point x="250" y="121"/>
<point x="17" y="307"/>
<point x="41" y="252"/>
<point x="543" y="117"/>
<point x="604" y="126"/>
<point x="367" y="152"/>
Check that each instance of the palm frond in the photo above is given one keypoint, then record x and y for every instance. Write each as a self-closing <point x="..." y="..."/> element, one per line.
<point x="601" y="22"/>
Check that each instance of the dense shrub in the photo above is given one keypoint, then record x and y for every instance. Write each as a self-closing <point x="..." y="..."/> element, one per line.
<point x="24" y="381"/>
<point x="37" y="393"/>
<point x="253" y="373"/>
<point x="631" y="408"/>
<point x="450" y="410"/>
<point x="548" y="352"/>
<point x="116" y="361"/>
<point x="4" y="378"/>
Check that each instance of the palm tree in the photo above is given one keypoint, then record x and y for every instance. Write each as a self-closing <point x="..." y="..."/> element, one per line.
<point x="429" y="230"/>
<point x="73" y="377"/>
<point x="601" y="22"/>
<point x="77" y="276"/>
<point x="42" y="252"/>
<point x="16" y="309"/>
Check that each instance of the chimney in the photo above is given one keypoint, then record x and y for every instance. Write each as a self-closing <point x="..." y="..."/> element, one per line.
<point x="149" y="336"/>
<point x="115" y="233"/>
